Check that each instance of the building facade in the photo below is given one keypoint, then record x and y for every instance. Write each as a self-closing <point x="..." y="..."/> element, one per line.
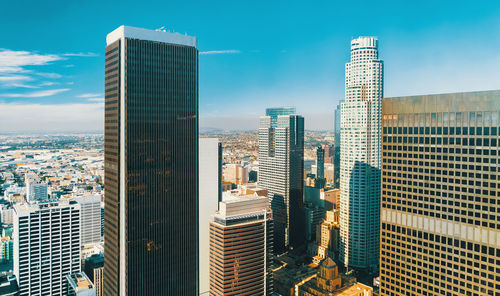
<point x="337" y="144"/>
<point x="151" y="170"/>
<point x="90" y="219"/>
<point x="36" y="189"/>
<point x="277" y="111"/>
<point x="93" y="268"/>
<point x="46" y="246"/>
<point x="210" y="187"/>
<point x="440" y="227"/>
<point x="360" y="156"/>
<point x="241" y="247"/>
<point x="281" y="167"/>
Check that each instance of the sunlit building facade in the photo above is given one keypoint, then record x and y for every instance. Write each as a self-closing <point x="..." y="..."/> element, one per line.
<point x="440" y="222"/>
<point x="360" y="156"/>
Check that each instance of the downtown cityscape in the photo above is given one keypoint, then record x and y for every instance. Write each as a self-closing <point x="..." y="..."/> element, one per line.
<point x="147" y="189"/>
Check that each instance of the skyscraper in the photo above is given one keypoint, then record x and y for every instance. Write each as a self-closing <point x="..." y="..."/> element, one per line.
<point x="90" y="219"/>
<point x="46" y="246"/>
<point x="336" y="149"/>
<point x="241" y="247"/>
<point x="274" y="112"/>
<point x="210" y="187"/>
<point x="440" y="199"/>
<point x="360" y="156"/>
<point x="281" y="167"/>
<point x="151" y="170"/>
<point x="93" y="269"/>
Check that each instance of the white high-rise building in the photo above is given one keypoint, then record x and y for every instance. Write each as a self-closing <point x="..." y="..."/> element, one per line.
<point x="90" y="219"/>
<point x="210" y="193"/>
<point x="36" y="190"/>
<point x="46" y="246"/>
<point x="360" y="155"/>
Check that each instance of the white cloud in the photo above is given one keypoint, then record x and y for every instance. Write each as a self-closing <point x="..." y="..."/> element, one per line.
<point x="14" y="78"/>
<point x="49" y="75"/>
<point x="11" y="58"/>
<point x="89" y="95"/>
<point x="13" y="69"/>
<point x="51" y="118"/>
<point x="96" y="100"/>
<point x="81" y="54"/>
<point x="36" y="94"/>
<point x="228" y="51"/>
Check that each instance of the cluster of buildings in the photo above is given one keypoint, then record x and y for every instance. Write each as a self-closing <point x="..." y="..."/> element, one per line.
<point x="52" y="220"/>
<point x="408" y="191"/>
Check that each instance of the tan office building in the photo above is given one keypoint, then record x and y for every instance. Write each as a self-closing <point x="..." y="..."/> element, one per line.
<point x="241" y="247"/>
<point x="440" y="206"/>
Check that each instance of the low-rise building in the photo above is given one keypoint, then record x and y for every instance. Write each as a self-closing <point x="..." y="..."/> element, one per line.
<point x="329" y="282"/>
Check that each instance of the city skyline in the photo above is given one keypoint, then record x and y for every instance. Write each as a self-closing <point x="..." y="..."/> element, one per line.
<point x="48" y="65"/>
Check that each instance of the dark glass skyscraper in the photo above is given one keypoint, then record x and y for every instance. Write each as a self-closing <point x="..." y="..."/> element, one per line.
<point x="151" y="171"/>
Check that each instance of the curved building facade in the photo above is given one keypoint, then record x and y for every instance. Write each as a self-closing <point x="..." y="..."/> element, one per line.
<point x="360" y="155"/>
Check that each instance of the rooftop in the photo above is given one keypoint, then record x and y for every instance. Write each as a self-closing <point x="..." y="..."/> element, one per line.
<point x="150" y="35"/>
<point x="79" y="282"/>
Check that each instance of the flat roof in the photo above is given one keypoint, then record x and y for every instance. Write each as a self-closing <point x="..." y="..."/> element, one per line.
<point x="150" y="35"/>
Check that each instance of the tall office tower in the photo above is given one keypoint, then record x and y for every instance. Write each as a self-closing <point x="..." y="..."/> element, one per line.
<point x="90" y="219"/>
<point x="241" y="247"/>
<point x="440" y="199"/>
<point x="360" y="156"/>
<point x="274" y="112"/>
<point x="329" y="150"/>
<point x="320" y="170"/>
<point x="281" y="167"/>
<point x="102" y="221"/>
<point x="78" y="284"/>
<point x="210" y="188"/>
<point x="151" y="169"/>
<point x="46" y="246"/>
<point x="36" y="189"/>
<point x="336" y="149"/>
<point x="93" y="269"/>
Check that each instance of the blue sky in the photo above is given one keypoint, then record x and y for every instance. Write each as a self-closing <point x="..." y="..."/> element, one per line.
<point x="272" y="53"/>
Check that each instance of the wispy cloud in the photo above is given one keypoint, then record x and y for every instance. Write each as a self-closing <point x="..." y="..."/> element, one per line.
<point x="96" y="100"/>
<point x="49" y="75"/>
<point x="11" y="58"/>
<point x="81" y="54"/>
<point x="89" y="95"/>
<point x="36" y="94"/>
<point x="13" y="69"/>
<point x="228" y="51"/>
<point x="14" y="78"/>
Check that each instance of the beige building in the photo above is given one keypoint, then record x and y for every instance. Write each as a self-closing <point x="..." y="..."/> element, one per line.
<point x="440" y="221"/>
<point x="235" y="173"/>
<point x="329" y="282"/>
<point x="327" y="237"/>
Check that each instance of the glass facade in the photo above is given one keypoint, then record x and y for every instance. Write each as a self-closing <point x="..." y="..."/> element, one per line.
<point x="274" y="112"/>
<point x="160" y="149"/>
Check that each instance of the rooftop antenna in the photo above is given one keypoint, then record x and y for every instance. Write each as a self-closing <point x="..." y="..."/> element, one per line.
<point x="161" y="29"/>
